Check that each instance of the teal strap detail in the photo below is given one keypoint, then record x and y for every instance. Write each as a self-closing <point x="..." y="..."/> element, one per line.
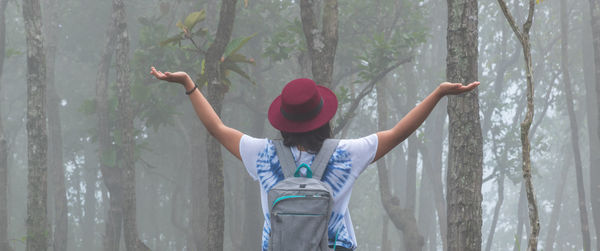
<point x="287" y="197"/>
<point x="336" y="236"/>
<point x="309" y="172"/>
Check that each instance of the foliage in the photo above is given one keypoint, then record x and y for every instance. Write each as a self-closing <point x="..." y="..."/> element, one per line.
<point x="230" y="61"/>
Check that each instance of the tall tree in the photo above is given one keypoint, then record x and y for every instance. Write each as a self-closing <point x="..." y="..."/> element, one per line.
<point x="403" y="218"/>
<point x="126" y="155"/>
<point x="216" y="90"/>
<point x="564" y="64"/>
<point x="4" y="245"/>
<point x="55" y="153"/>
<point x="523" y="37"/>
<point x="110" y="174"/>
<point x="595" y="170"/>
<point x="465" y="153"/>
<point x="322" y="43"/>
<point x="37" y="138"/>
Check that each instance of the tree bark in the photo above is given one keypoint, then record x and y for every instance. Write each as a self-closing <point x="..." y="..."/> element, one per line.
<point x="564" y="63"/>
<point x="595" y="171"/>
<point x="126" y="156"/>
<point x="526" y="124"/>
<point x="37" y="139"/>
<point x="403" y="218"/>
<point x="321" y="44"/>
<point x="4" y="245"/>
<point x="110" y="174"/>
<point x="216" y="90"/>
<point x="465" y="155"/>
<point x="55" y="154"/>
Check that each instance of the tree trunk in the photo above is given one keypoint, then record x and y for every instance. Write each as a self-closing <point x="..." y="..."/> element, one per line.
<point x="402" y="218"/>
<point x="500" y="180"/>
<point x="199" y="211"/>
<point x="252" y="225"/>
<point x="126" y="146"/>
<point x="88" y="222"/>
<point x="432" y="165"/>
<point x="216" y="90"/>
<point x="321" y="44"/>
<point x="521" y="218"/>
<point x="55" y="154"/>
<point x="564" y="62"/>
<point x="595" y="171"/>
<point x="526" y="124"/>
<point x="37" y="139"/>
<point x="110" y="174"/>
<point x="4" y="245"/>
<point x="413" y="145"/>
<point x="556" y="208"/>
<point x="465" y="154"/>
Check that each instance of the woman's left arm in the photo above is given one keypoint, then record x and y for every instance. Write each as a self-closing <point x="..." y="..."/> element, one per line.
<point x="389" y="139"/>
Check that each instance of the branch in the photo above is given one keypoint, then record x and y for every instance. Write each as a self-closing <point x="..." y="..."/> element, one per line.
<point x="511" y="20"/>
<point x="366" y="90"/>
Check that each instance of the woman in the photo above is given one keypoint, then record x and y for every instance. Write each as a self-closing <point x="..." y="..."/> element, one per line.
<point x="302" y="113"/>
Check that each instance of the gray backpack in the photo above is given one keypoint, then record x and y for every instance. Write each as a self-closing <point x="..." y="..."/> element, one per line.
<point x="300" y="207"/>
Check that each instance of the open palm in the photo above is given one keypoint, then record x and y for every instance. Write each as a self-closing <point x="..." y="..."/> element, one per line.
<point x="447" y="88"/>
<point x="175" y="77"/>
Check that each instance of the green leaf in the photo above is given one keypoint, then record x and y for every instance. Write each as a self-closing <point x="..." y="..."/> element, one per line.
<point x="239" y="58"/>
<point x="172" y="40"/>
<point x="235" y="68"/>
<point x="192" y="19"/>
<point x="236" y="44"/>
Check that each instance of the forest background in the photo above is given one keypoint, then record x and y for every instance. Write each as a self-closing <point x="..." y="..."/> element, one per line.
<point x="129" y="167"/>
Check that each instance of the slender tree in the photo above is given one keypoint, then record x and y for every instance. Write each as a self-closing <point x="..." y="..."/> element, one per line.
<point x="126" y="156"/>
<point x="403" y="218"/>
<point x="55" y="154"/>
<point x="37" y="138"/>
<point x="595" y="171"/>
<point x="564" y="64"/>
<point x="215" y="94"/>
<point x="321" y="43"/>
<point x="4" y="245"/>
<point x="110" y="174"/>
<point x="556" y="208"/>
<point x="465" y="154"/>
<point x="523" y="37"/>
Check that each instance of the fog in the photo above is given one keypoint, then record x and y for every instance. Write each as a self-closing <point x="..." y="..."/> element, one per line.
<point x="131" y="167"/>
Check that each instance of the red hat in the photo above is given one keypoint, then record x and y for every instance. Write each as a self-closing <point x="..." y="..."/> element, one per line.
<point x="302" y="106"/>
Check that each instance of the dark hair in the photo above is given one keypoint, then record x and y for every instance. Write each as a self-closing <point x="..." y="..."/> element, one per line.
<point x="311" y="141"/>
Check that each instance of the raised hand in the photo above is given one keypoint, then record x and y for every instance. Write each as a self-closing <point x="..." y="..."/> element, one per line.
<point x="175" y="77"/>
<point x="447" y="88"/>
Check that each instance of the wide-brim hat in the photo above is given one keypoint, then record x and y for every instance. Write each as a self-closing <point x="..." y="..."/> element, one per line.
<point x="302" y="106"/>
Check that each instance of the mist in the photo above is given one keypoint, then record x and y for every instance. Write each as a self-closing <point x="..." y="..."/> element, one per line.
<point x="97" y="154"/>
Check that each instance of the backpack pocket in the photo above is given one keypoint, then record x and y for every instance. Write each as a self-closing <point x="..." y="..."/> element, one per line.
<point x="297" y="221"/>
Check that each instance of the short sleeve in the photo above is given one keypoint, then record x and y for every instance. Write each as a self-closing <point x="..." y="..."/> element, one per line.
<point x="361" y="150"/>
<point x="250" y="148"/>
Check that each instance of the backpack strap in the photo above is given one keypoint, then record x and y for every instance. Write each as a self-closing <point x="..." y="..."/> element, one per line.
<point x="286" y="160"/>
<point x="319" y="164"/>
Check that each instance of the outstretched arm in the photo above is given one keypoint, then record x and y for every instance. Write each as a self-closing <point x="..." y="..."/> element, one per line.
<point x="229" y="137"/>
<point x="389" y="139"/>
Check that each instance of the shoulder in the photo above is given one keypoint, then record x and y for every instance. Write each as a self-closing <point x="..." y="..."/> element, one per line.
<point x="358" y="145"/>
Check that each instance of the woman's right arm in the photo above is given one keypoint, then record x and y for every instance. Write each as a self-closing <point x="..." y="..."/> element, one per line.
<point x="389" y="139"/>
<point x="229" y="137"/>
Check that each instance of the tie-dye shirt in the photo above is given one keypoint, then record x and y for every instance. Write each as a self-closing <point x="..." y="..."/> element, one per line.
<point x="349" y="160"/>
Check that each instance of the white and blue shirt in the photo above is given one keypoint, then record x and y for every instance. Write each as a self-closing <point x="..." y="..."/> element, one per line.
<point x="349" y="160"/>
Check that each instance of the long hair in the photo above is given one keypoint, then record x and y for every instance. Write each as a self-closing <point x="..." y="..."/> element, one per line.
<point x="311" y="141"/>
